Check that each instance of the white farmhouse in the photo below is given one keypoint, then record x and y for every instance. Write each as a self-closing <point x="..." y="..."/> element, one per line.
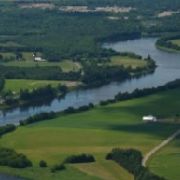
<point x="149" y="118"/>
<point x="39" y="59"/>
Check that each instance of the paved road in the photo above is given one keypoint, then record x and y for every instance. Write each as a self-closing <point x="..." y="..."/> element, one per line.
<point x="158" y="147"/>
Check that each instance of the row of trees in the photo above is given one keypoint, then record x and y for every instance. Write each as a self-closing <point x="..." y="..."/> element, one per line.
<point x="137" y="93"/>
<point x="42" y="73"/>
<point x="52" y="115"/>
<point x="131" y="160"/>
<point x="37" y="118"/>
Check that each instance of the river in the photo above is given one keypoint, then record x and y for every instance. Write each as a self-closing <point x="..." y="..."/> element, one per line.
<point x="168" y="70"/>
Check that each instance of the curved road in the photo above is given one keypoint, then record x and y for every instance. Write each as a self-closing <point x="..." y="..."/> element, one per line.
<point x="158" y="147"/>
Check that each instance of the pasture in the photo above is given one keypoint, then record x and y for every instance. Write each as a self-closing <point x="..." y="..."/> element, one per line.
<point x="16" y="85"/>
<point x="177" y="42"/>
<point x="127" y="62"/>
<point x="166" y="161"/>
<point x="95" y="132"/>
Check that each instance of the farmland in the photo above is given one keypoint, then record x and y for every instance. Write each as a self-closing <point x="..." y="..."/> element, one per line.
<point x="166" y="162"/>
<point x="16" y="85"/>
<point x="177" y="42"/>
<point x="127" y="62"/>
<point x="61" y="44"/>
<point x="104" y="127"/>
<point x="27" y="60"/>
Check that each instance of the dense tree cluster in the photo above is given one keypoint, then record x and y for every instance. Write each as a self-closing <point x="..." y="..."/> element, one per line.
<point x="58" y="167"/>
<point x="71" y="110"/>
<point x="9" y="157"/>
<point x="131" y="160"/>
<point x="39" y="93"/>
<point x="81" y="158"/>
<point x="97" y="75"/>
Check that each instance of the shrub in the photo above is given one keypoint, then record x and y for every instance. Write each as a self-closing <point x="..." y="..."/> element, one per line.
<point x="81" y="158"/>
<point x="58" y="167"/>
<point x="42" y="164"/>
<point x="8" y="157"/>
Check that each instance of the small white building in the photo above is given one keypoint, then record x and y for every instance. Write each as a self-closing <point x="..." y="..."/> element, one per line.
<point x="39" y="59"/>
<point x="149" y="118"/>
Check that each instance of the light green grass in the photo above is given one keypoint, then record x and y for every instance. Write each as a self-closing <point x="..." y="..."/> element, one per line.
<point x="166" y="162"/>
<point x="177" y="42"/>
<point x="97" y="131"/>
<point x="37" y="173"/>
<point x="127" y="62"/>
<point x="105" y="170"/>
<point x="16" y="85"/>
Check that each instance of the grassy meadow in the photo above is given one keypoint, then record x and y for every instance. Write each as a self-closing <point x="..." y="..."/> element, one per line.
<point x="166" y="161"/>
<point x="16" y="85"/>
<point x="127" y="62"/>
<point x="177" y="42"/>
<point x="95" y="132"/>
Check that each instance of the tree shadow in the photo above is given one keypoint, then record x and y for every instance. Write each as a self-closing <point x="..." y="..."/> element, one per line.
<point x="156" y="129"/>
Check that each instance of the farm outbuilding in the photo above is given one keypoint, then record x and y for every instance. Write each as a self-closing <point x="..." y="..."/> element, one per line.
<point x="149" y="118"/>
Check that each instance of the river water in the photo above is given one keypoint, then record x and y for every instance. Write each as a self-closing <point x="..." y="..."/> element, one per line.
<point x="168" y="70"/>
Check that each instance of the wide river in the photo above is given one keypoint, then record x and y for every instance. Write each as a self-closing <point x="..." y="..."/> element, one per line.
<point x="168" y="70"/>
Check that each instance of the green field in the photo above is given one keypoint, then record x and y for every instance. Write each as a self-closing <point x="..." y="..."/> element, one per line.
<point x="28" y="61"/>
<point x="16" y="85"/>
<point x="177" y="42"/>
<point x="166" y="162"/>
<point x="65" y="65"/>
<point x="96" y="132"/>
<point x="127" y="62"/>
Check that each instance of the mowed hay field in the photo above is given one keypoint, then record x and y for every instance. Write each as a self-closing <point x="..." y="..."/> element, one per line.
<point x="95" y="132"/>
<point x="127" y="62"/>
<point x="166" y="162"/>
<point x="16" y="85"/>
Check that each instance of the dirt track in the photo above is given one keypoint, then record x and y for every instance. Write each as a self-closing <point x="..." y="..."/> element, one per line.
<point x="158" y="147"/>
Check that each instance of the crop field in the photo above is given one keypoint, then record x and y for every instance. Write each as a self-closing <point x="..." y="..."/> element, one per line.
<point x="127" y="62"/>
<point x="95" y="132"/>
<point x="166" y="162"/>
<point x="16" y="85"/>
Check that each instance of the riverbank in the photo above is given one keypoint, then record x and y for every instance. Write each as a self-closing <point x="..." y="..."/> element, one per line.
<point x="170" y="50"/>
<point x="169" y="43"/>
